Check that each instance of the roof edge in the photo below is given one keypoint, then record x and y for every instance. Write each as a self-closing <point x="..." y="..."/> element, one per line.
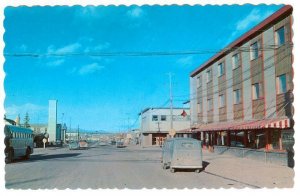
<point x="281" y="13"/>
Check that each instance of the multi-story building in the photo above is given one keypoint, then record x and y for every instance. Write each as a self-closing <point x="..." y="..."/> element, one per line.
<point x="156" y="124"/>
<point x="242" y="96"/>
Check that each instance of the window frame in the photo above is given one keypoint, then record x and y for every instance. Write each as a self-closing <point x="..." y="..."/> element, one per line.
<point x="153" y="118"/>
<point x="199" y="108"/>
<point x="279" y="85"/>
<point x="209" y="105"/>
<point x="254" y="91"/>
<point x="235" y="99"/>
<point x="221" y="69"/>
<point x="222" y="97"/>
<point x="208" y="75"/>
<point x="199" y="81"/>
<point x="277" y="36"/>
<point x="233" y="61"/>
<point x="163" y="119"/>
<point x="255" y="50"/>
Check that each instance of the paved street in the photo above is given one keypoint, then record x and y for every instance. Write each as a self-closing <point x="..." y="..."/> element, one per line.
<point x="135" y="167"/>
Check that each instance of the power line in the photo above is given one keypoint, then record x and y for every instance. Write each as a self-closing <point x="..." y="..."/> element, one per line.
<point x="138" y="53"/>
<point x="244" y="79"/>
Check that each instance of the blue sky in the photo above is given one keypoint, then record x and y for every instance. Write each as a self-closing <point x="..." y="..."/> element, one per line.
<point x="57" y="53"/>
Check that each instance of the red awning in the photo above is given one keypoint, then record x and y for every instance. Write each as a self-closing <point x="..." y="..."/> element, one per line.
<point x="244" y="125"/>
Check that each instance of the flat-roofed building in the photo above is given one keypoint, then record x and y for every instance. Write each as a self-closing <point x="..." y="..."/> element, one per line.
<point x="243" y="95"/>
<point x="156" y="124"/>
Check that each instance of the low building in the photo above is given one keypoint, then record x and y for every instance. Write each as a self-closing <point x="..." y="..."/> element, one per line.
<point x="156" y="124"/>
<point x="39" y="128"/>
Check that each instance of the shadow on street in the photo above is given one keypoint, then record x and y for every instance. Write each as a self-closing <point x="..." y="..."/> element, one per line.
<point x="42" y="157"/>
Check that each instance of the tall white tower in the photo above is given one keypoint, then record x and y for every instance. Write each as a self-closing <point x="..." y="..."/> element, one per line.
<point x="52" y="120"/>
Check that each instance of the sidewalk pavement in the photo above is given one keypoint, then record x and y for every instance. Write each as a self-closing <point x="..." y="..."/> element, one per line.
<point x="256" y="174"/>
<point x="252" y="172"/>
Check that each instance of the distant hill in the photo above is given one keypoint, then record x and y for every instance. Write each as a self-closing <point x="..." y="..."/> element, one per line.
<point x="88" y="131"/>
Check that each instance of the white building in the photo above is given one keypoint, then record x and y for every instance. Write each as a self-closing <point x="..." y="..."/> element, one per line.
<point x="52" y="122"/>
<point x="156" y="124"/>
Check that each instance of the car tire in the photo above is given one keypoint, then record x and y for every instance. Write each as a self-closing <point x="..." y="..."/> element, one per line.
<point x="165" y="166"/>
<point x="172" y="170"/>
<point x="28" y="152"/>
<point x="197" y="171"/>
<point x="10" y="156"/>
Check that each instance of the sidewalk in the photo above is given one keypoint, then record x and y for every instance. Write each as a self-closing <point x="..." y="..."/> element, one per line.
<point x="255" y="173"/>
<point x="252" y="172"/>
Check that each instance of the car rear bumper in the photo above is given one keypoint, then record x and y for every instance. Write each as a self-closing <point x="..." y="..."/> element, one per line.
<point x="187" y="166"/>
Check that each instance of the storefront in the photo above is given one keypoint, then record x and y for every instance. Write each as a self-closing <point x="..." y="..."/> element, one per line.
<point x="270" y="134"/>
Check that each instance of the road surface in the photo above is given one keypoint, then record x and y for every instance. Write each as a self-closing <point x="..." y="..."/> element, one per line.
<point x="134" y="167"/>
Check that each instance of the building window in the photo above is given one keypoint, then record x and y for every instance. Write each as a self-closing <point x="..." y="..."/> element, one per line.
<point x="281" y="84"/>
<point x="256" y="88"/>
<point x="199" y="107"/>
<point x="163" y="117"/>
<point x="199" y="81"/>
<point x="279" y="36"/>
<point x="254" y="51"/>
<point x="154" y="118"/>
<point x="235" y="61"/>
<point x="237" y="96"/>
<point x="221" y="101"/>
<point x="208" y="76"/>
<point x="209" y="105"/>
<point x="220" y="69"/>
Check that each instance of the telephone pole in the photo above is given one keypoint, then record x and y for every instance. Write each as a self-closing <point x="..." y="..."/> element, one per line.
<point x="78" y="133"/>
<point x="158" y="126"/>
<point x="171" y="99"/>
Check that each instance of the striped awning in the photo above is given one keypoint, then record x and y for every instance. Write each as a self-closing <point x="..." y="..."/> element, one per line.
<point x="245" y="125"/>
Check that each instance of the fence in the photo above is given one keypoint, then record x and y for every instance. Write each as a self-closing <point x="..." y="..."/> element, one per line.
<point x="279" y="158"/>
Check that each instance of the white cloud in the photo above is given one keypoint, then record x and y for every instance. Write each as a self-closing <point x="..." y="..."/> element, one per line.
<point x="98" y="47"/>
<point x="102" y="46"/>
<point x="89" y="69"/>
<point x="87" y="12"/>
<point x="254" y="17"/>
<point x="23" y="47"/>
<point x="56" y="63"/>
<point x="135" y="12"/>
<point x="66" y="49"/>
<point x="186" y="61"/>
<point x="14" y="110"/>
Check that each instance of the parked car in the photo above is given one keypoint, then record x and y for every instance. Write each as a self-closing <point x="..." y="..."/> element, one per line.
<point x="73" y="145"/>
<point x="113" y="142"/>
<point x="77" y="145"/>
<point x="182" y="153"/>
<point x="102" y="143"/>
<point x="120" y="144"/>
<point x="83" y="144"/>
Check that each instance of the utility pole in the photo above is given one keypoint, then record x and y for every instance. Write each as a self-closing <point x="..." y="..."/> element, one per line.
<point x="78" y="133"/>
<point x="158" y="126"/>
<point x="62" y="137"/>
<point x="128" y="124"/>
<point x="171" y="99"/>
<point x="70" y="129"/>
